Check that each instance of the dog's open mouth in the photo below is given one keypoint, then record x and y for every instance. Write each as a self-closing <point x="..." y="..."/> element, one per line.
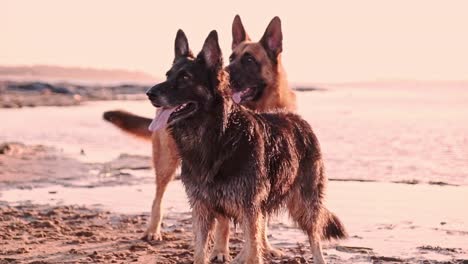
<point x="247" y="94"/>
<point x="169" y="115"/>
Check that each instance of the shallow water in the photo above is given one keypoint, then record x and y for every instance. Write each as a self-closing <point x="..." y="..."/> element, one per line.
<point x="383" y="134"/>
<point x="75" y="128"/>
<point x="392" y="134"/>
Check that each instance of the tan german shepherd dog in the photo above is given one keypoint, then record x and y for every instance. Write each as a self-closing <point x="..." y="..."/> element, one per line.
<point x="258" y="81"/>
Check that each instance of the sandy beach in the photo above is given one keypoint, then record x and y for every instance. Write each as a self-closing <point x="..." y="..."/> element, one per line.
<point x="58" y="221"/>
<point x="59" y="179"/>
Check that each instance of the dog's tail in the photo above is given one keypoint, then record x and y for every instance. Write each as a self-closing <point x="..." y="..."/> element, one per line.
<point x="333" y="228"/>
<point x="130" y="123"/>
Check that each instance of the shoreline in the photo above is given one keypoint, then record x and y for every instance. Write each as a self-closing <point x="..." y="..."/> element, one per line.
<point x="423" y="223"/>
<point x="17" y="154"/>
<point x="18" y="94"/>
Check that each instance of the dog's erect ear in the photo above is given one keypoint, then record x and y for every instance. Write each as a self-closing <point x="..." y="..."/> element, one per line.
<point x="181" y="47"/>
<point x="272" y="40"/>
<point x="238" y="32"/>
<point x="211" y="52"/>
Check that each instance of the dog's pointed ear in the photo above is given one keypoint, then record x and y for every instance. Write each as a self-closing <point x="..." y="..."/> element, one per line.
<point x="272" y="39"/>
<point x="211" y="52"/>
<point x="181" y="46"/>
<point x="238" y="32"/>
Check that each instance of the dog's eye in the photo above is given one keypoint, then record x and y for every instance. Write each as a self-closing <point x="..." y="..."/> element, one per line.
<point x="231" y="58"/>
<point x="185" y="76"/>
<point x="248" y="58"/>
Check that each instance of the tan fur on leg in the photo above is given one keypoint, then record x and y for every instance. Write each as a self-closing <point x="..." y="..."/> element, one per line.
<point x="165" y="161"/>
<point x="267" y="247"/>
<point x="316" y="247"/>
<point x="252" y="252"/>
<point x="203" y="222"/>
<point x="221" y="240"/>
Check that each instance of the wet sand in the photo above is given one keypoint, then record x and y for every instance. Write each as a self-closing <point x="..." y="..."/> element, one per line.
<point x="60" y="221"/>
<point x="43" y="233"/>
<point x="25" y="166"/>
<point x="74" y="234"/>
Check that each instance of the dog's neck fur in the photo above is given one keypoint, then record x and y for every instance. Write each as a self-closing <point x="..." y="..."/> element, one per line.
<point x="200" y="140"/>
<point x="282" y="86"/>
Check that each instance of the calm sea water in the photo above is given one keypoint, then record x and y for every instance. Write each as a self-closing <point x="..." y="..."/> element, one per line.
<point x="389" y="133"/>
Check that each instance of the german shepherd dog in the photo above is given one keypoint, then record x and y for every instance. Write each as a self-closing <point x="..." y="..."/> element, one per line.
<point x="262" y="87"/>
<point x="237" y="163"/>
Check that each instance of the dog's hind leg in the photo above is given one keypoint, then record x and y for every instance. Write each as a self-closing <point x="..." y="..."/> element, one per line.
<point x="316" y="247"/>
<point x="252" y="253"/>
<point x="267" y="247"/>
<point x="221" y="240"/>
<point x="305" y="210"/>
<point x="203" y="221"/>
<point x="166" y="161"/>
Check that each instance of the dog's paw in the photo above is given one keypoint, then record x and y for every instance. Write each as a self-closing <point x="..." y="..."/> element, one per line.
<point x="240" y="258"/>
<point x="220" y="256"/>
<point x="273" y="252"/>
<point x="152" y="236"/>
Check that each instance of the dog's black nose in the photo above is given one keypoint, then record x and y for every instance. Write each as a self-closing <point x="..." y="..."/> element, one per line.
<point x="153" y="96"/>
<point x="153" y="91"/>
<point x="149" y="93"/>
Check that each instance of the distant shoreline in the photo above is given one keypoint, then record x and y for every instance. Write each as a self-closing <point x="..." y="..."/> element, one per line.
<point x="77" y="75"/>
<point x="15" y="94"/>
<point x="23" y="93"/>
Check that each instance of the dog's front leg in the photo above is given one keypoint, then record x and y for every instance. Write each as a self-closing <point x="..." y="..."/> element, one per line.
<point x="221" y="240"/>
<point x="252" y="252"/>
<point x="203" y="221"/>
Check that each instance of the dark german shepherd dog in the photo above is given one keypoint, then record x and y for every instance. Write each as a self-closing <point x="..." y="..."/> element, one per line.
<point x="258" y="81"/>
<point x="237" y="163"/>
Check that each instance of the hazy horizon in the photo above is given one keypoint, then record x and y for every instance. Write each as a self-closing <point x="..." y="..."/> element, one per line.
<point x="82" y="74"/>
<point x="323" y="42"/>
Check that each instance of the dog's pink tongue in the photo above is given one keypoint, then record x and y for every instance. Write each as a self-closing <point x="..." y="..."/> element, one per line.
<point x="161" y="118"/>
<point x="237" y="97"/>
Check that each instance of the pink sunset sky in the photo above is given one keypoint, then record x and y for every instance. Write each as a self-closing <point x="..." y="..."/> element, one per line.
<point x="324" y="41"/>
